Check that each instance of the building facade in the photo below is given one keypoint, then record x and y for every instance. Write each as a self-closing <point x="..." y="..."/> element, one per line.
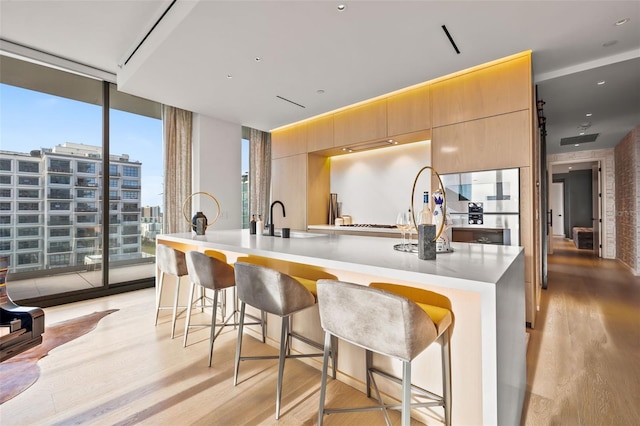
<point x="50" y="207"/>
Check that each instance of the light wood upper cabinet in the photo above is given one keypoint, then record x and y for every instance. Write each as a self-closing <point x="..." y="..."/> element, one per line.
<point x="499" y="142"/>
<point x="409" y="111"/>
<point x="289" y="141"/>
<point x="362" y="123"/>
<point x="320" y="133"/>
<point x="486" y="92"/>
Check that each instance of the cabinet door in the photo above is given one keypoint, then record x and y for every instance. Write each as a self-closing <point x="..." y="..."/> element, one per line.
<point x="289" y="185"/>
<point x="359" y="124"/>
<point x="494" y="90"/>
<point x="409" y="111"/>
<point x="289" y="141"/>
<point x="320" y="133"/>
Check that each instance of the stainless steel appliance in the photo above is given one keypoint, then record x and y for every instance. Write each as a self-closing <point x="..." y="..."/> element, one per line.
<point x="484" y="206"/>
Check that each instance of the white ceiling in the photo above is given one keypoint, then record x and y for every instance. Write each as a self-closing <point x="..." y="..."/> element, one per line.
<point x="371" y="48"/>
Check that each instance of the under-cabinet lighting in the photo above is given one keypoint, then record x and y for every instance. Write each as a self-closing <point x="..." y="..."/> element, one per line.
<point x="369" y="145"/>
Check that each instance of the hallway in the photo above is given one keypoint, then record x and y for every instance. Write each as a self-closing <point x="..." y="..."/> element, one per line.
<point x="583" y="359"/>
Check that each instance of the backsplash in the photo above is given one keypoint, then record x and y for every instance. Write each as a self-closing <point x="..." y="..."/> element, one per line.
<point x="373" y="186"/>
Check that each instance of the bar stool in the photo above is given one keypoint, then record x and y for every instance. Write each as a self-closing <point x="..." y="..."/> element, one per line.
<point x="170" y="261"/>
<point x="307" y="275"/>
<point x="213" y="274"/>
<point x="385" y="323"/>
<point x="279" y="294"/>
<point x="438" y="307"/>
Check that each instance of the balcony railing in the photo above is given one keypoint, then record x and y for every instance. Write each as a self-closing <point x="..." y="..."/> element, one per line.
<point x="53" y="196"/>
<point x="131" y="187"/>
<point x="60" y="222"/>
<point x="86" y="184"/>
<point x="86" y="209"/>
<point x="60" y="170"/>
<point x="59" y="249"/>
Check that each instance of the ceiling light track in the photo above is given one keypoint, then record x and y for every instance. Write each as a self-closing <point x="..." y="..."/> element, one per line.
<point x="453" y="43"/>
<point x="150" y="31"/>
<point x="291" y="102"/>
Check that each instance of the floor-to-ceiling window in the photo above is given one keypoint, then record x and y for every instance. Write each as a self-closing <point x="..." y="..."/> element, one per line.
<point x="69" y="189"/>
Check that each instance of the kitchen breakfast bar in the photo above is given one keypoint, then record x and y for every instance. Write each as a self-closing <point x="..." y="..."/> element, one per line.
<point x="483" y="282"/>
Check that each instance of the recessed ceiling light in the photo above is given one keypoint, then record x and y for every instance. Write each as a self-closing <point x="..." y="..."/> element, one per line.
<point x="610" y="43"/>
<point x="229" y="76"/>
<point x="570" y="167"/>
<point x="601" y="82"/>
<point x="577" y="144"/>
<point x="343" y="7"/>
<point x="622" y="22"/>
<point x="588" y="114"/>
<point x="258" y="58"/>
<point x="581" y="133"/>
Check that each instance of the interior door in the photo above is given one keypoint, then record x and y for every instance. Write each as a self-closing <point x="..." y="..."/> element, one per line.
<point x="597" y="205"/>
<point x="557" y="208"/>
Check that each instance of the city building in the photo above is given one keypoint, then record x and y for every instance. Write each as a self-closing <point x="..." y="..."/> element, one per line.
<point x="50" y="207"/>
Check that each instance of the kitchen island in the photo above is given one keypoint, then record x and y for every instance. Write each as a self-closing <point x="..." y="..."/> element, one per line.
<point x="485" y="284"/>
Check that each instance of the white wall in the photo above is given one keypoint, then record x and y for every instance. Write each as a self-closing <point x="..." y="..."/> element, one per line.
<point x="375" y="185"/>
<point x="217" y="169"/>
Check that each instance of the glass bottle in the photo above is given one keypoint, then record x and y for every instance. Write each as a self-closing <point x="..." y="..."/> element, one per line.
<point x="426" y="216"/>
<point x="252" y="225"/>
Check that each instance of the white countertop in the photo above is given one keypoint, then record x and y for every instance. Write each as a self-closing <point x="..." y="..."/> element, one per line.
<point x="478" y="263"/>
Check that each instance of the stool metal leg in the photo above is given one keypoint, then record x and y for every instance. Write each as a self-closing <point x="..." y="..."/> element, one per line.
<point x="406" y="393"/>
<point x="328" y="339"/>
<point x="175" y="307"/>
<point x="284" y="338"/>
<point x="334" y="355"/>
<point x="187" y="320"/>
<point x="159" y="294"/>
<point x="212" y="337"/>
<point x="368" y="362"/>
<point x="239" y="343"/>
<point x="446" y="375"/>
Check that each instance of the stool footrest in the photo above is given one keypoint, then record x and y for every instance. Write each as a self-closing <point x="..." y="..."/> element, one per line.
<point x="307" y="341"/>
<point x="438" y="400"/>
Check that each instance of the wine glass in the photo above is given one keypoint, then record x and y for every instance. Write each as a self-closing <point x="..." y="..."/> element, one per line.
<point x="402" y="223"/>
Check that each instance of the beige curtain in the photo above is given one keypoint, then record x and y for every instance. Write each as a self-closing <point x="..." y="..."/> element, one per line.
<point x="177" y="129"/>
<point x="259" y="173"/>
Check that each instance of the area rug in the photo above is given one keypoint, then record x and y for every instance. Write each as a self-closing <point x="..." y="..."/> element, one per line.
<point x="21" y="371"/>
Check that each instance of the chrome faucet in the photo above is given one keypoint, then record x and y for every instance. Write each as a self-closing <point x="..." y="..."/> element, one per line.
<point x="272" y="228"/>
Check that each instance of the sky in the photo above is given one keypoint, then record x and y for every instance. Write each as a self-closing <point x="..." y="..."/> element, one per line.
<point x="33" y="120"/>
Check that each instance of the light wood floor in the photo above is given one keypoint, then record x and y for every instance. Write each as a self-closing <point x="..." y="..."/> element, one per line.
<point x="583" y="365"/>
<point x="583" y="361"/>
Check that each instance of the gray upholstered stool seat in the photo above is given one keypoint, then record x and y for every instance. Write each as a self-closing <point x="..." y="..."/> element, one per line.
<point x="389" y="324"/>
<point x="278" y="294"/>
<point x="170" y="261"/>
<point x="209" y="272"/>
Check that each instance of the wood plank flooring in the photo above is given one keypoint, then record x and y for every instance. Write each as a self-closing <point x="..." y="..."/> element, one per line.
<point x="583" y="362"/>
<point x="583" y="365"/>
<point x="128" y="372"/>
